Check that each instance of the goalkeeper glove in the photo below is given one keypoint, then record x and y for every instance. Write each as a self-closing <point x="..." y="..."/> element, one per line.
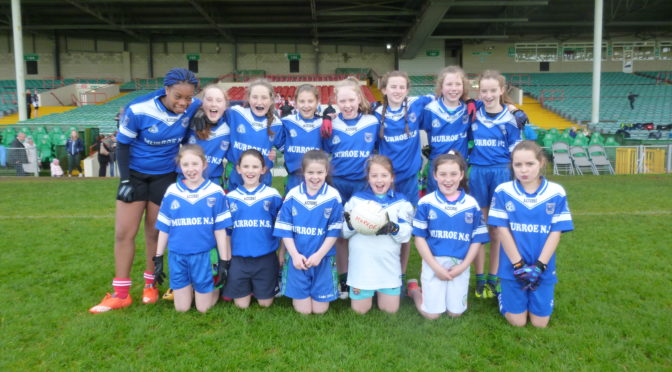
<point x="521" y="118"/>
<point x="200" y="121"/>
<point x="388" y="228"/>
<point x="325" y="129"/>
<point x="346" y="217"/>
<point x="222" y="272"/>
<point x="471" y="109"/>
<point x="125" y="191"/>
<point x="159" y="275"/>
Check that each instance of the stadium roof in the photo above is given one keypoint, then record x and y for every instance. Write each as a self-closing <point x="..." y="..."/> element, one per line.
<point x="401" y="23"/>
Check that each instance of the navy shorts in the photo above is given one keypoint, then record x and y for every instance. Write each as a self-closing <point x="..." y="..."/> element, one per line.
<point x="150" y="187"/>
<point x="253" y="275"/>
<point x="347" y="187"/>
<point x="409" y="188"/>
<point x="191" y="269"/>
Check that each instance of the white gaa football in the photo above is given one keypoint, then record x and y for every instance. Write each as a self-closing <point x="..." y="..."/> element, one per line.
<point x="368" y="217"/>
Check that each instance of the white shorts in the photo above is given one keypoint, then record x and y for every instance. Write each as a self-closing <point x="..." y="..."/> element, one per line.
<point x="439" y="296"/>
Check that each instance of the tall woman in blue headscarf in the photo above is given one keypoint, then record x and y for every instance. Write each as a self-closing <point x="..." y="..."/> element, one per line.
<point x="150" y="132"/>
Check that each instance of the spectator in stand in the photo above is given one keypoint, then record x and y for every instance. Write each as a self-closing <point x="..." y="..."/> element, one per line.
<point x="75" y="147"/>
<point x="118" y="116"/>
<point x="35" y="100"/>
<point x="103" y="155"/>
<point x="286" y="108"/>
<point x="31" y="154"/>
<point x="56" y="170"/>
<point x="17" y="154"/>
<point x="631" y="98"/>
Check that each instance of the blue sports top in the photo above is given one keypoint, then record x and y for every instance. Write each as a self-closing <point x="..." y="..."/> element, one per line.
<point x="403" y="149"/>
<point x="214" y="147"/>
<point x="297" y="137"/>
<point x="531" y="218"/>
<point x="446" y="129"/>
<point x="253" y="214"/>
<point x="350" y="145"/>
<point x="494" y="138"/>
<point x="248" y="131"/>
<point x="191" y="217"/>
<point x="310" y="219"/>
<point x="154" y="133"/>
<point x="450" y="227"/>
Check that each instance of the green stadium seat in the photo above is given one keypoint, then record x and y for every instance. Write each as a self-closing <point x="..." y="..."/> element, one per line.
<point x="611" y="141"/>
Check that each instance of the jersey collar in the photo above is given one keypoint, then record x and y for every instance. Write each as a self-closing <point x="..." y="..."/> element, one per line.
<point x="390" y="195"/>
<point x="521" y="191"/>
<point x="446" y="109"/>
<point x="183" y="187"/>
<point x="441" y="198"/>
<point x="243" y="190"/>
<point x="321" y="191"/>
<point x="496" y="118"/>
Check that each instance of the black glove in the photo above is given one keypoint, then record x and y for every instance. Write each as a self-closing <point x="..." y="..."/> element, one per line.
<point x="346" y="217"/>
<point x="125" y="191"/>
<point x="426" y="150"/>
<point x="388" y="228"/>
<point x="159" y="275"/>
<point x="200" y="121"/>
<point x="519" y="271"/>
<point x="222" y="272"/>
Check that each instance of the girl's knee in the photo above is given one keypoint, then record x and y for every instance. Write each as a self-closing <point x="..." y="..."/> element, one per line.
<point x="182" y="308"/>
<point x="265" y="303"/>
<point x="431" y="316"/>
<point x="517" y="320"/>
<point x="539" y="322"/>
<point x="360" y="309"/>
<point x="203" y="308"/>
<point x="454" y="315"/>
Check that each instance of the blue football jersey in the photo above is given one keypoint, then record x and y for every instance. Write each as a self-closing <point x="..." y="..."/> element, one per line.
<point x="310" y="219"/>
<point x="214" y="147"/>
<point x="447" y="129"/>
<point x="191" y="217"/>
<point x="351" y="144"/>
<point x="154" y="134"/>
<point x="494" y="138"/>
<point x="403" y="148"/>
<point x="299" y="136"/>
<point x="531" y="218"/>
<point x="449" y="227"/>
<point x="248" y="131"/>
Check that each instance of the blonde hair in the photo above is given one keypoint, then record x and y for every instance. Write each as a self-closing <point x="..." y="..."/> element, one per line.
<point x="383" y="84"/>
<point x="495" y="75"/>
<point x="205" y="133"/>
<point x="352" y="82"/>
<point x="270" y="115"/>
<point x="381" y="160"/>
<point x="307" y="88"/>
<point x="457" y="70"/>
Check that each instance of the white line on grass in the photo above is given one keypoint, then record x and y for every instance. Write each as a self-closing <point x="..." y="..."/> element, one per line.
<point x="61" y="217"/>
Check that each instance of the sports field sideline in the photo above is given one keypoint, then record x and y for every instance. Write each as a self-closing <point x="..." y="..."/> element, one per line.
<point x="612" y="302"/>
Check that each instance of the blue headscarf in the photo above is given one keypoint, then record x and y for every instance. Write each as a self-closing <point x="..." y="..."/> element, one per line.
<point x="180" y="75"/>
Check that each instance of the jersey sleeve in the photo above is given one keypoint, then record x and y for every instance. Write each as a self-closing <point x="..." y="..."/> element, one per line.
<point x="562" y="218"/>
<point x="163" y="220"/>
<point x="284" y="223"/>
<point x="281" y="137"/>
<point x="480" y="231"/>
<point x="335" y="221"/>
<point x="497" y="215"/>
<point x="404" y="218"/>
<point x="128" y="127"/>
<point x="420" y="222"/>
<point x="222" y="214"/>
<point x="426" y="122"/>
<point x="513" y="136"/>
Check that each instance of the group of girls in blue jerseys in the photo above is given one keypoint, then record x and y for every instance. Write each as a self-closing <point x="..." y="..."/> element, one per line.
<point x="250" y="242"/>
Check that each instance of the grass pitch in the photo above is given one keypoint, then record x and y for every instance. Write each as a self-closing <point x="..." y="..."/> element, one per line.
<point x="613" y="300"/>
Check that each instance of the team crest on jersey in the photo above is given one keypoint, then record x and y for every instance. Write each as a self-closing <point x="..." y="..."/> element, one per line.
<point x="474" y="126"/>
<point x="465" y="119"/>
<point x="185" y="122"/>
<point x="224" y="145"/>
<point x="192" y="140"/>
<point x="292" y="133"/>
<point x="241" y="129"/>
<point x="368" y="137"/>
<point x="267" y="205"/>
<point x="327" y="212"/>
<point x="294" y="211"/>
<point x="550" y="208"/>
<point x="211" y="202"/>
<point x="432" y="215"/>
<point x="510" y="207"/>
<point x="502" y="127"/>
<point x="175" y="205"/>
<point x="412" y="117"/>
<point x="153" y="129"/>
<point x="233" y="207"/>
<point x="468" y="218"/>
<point x="336" y="140"/>
<point x="436" y="123"/>
<point x="271" y="137"/>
